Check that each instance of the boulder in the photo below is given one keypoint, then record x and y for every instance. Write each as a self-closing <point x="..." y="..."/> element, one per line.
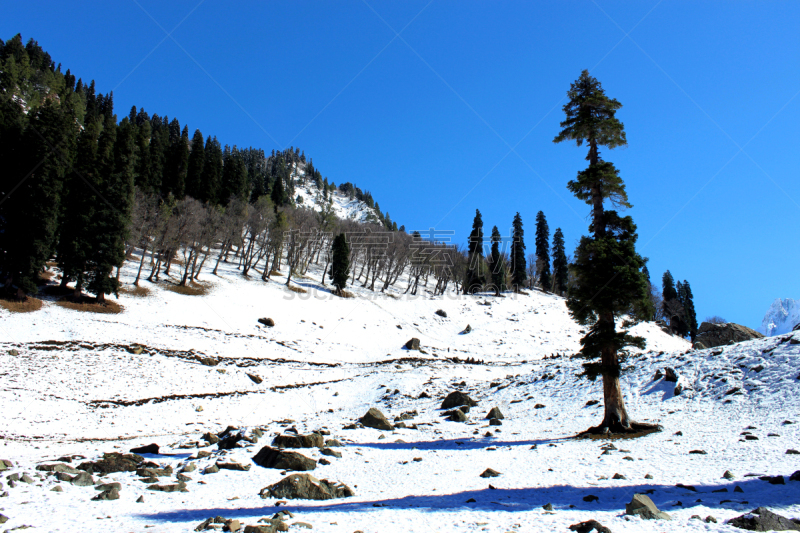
<point x="267" y="322"/>
<point x="331" y="453"/>
<point x="490" y="472"/>
<point x="269" y="457"/>
<point x="256" y="378"/>
<point x="641" y="505"/>
<point x="177" y="487"/>
<point x="113" y="462"/>
<point x="272" y="526"/>
<point x="108" y="486"/>
<point x="495" y="413"/>
<point x="457" y="399"/>
<point x="375" y="419"/>
<point x="495" y="422"/>
<point x="466" y="330"/>
<point x="110" y="494"/>
<point x="58" y="468"/>
<point x="762" y="519"/>
<point x="796" y="327"/>
<point x="589" y="526"/>
<point x="312" y="440"/>
<point x="306" y="487"/>
<point x="457" y="415"/>
<point x="710" y="335"/>
<point x="150" y="448"/>
<point x="670" y="375"/>
<point x="441" y="313"/>
<point x="237" y="467"/>
<point x="412" y="344"/>
<point x="84" y="479"/>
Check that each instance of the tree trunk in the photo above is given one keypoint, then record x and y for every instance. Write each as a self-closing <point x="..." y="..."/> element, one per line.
<point x="141" y="264"/>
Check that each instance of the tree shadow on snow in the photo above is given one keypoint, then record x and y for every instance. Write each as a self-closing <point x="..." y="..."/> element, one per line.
<point x="668" y="498"/>
<point x="471" y="443"/>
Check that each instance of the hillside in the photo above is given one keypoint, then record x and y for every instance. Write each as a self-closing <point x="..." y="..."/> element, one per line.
<point x="74" y="384"/>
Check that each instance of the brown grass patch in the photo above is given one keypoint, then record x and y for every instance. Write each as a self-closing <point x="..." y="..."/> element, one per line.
<point x="46" y="276"/>
<point x="297" y="289"/>
<point x="133" y="290"/>
<point x="344" y="294"/>
<point x="275" y="273"/>
<point x="190" y="289"/>
<point x="87" y="304"/>
<point x="28" y="305"/>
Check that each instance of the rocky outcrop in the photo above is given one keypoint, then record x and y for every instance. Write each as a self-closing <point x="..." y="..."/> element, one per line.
<point x="269" y="457"/>
<point x="313" y="440"/>
<point x="113" y="462"/>
<point x="641" y="505"/>
<point x="306" y="487"/>
<point x="762" y="519"/>
<point x="375" y="419"/>
<point x="710" y="335"/>
<point x="457" y="399"/>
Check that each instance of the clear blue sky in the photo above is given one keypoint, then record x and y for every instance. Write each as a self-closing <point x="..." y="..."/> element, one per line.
<point x="459" y="111"/>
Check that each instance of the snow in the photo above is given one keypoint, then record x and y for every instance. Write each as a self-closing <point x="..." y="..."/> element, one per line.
<point x="344" y="207"/>
<point x="782" y="316"/>
<point x="347" y="355"/>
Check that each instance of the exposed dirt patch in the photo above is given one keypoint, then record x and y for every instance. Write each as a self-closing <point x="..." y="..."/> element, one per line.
<point x="139" y="292"/>
<point x="88" y="304"/>
<point x="190" y="289"/>
<point x="297" y="289"/>
<point x="28" y="305"/>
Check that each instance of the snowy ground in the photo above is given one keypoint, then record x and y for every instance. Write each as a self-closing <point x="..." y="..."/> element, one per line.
<point x="87" y="393"/>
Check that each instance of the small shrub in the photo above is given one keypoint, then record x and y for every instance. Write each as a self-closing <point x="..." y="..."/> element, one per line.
<point x="28" y="305"/>
<point x="715" y="320"/>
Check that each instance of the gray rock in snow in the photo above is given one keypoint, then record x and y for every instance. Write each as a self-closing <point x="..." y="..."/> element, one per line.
<point x="641" y="505"/>
<point x="374" y="418"/>
<point x="762" y="519"/>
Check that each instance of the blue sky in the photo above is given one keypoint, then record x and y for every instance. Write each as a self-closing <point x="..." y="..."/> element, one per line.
<point x="459" y="110"/>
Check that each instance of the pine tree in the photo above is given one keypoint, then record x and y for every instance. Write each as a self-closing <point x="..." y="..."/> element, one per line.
<point x="30" y="206"/>
<point x="234" y="178"/>
<point x="690" y="316"/>
<point x="340" y="263"/>
<point x="212" y="172"/>
<point x="671" y="306"/>
<point x="177" y="160"/>
<point x="278" y="194"/>
<point x="518" y="264"/>
<point x="560" y="266"/>
<point x="194" y="170"/>
<point x="609" y="282"/>
<point x="498" y="268"/>
<point x="543" y="251"/>
<point x="474" y="280"/>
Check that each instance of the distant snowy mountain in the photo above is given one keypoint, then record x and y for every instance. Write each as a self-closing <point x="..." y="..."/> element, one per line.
<point x="782" y="316"/>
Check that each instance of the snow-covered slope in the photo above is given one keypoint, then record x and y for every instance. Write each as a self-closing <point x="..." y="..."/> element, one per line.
<point x="782" y="316"/>
<point x="73" y="383"/>
<point x="344" y="207"/>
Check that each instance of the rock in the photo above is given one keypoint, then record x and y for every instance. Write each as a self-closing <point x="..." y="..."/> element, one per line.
<point x="324" y="461"/>
<point x="795" y="476"/>
<point x="62" y="476"/>
<point x="206" y="361"/>
<point x="728" y="475"/>
<point x="332" y="443"/>
<point x="256" y="378"/>
<point x="232" y="525"/>
<point x="154" y="472"/>
<point x="678" y="390"/>
<point x="84" y="479"/>
<point x="495" y="413"/>
<point x="457" y="415"/>
<point x="711" y="335"/>
<point x="457" y="399"/>
<point x="539" y="406"/>
<point x="213" y="469"/>
<point x="110" y="494"/>
<point x="304" y="525"/>
<point x="269" y="457"/>
<point x="792" y="451"/>
<point x="589" y="526"/>
<point x="312" y="440"/>
<point x="495" y="422"/>
<point x="182" y="477"/>
<point x="737" y="488"/>
<point x="3" y="519"/>
<point x="618" y="476"/>
<point x="57" y="488"/>
<point x="376" y="419"/>
<point x="271" y="527"/>
<point x="150" y="448"/>
<point x="547" y="507"/>
<point x="307" y="487"/>
<point x="670" y="375"/>
<point x="441" y="313"/>
<point x="773" y="480"/>
<point x="108" y="486"/>
<point x="177" y="487"/>
<point x="762" y="519"/>
<point x="238" y="467"/>
<point x="331" y="453"/>
<point x="590" y="498"/>
<point x="267" y="322"/>
<point x="210" y="438"/>
<point x="641" y="505"/>
<point x="648" y="476"/>
<point x="191" y="467"/>
<point x="140" y="499"/>
<point x="698" y="452"/>
<point x="113" y="462"/>
<point x="58" y="467"/>
<point x="466" y="330"/>
<point x="412" y="344"/>
<point x="490" y="473"/>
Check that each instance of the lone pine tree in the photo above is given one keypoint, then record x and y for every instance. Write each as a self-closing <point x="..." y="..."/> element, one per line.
<point x="474" y="280"/>
<point x="607" y="267"/>
<point x="498" y="266"/>
<point x="560" y="266"/>
<point x="543" y="251"/>
<point x="340" y="263"/>
<point x="518" y="265"/>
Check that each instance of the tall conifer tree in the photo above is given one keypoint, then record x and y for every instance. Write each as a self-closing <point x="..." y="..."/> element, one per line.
<point x="498" y="268"/>
<point x="609" y="281"/>
<point x="518" y="263"/>
<point x="194" y="170"/>
<point x="543" y="251"/>
<point x="474" y="280"/>
<point x="560" y="266"/>
<point x="340" y="263"/>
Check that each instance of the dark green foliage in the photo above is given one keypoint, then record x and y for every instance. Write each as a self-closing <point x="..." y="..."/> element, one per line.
<point x="560" y="266"/>
<point x="235" y="182"/>
<point x="31" y="189"/>
<point x="543" y="251"/>
<point x="208" y="191"/>
<point x="668" y="291"/>
<point x="518" y="263"/>
<point x="686" y="298"/>
<point x="497" y="263"/>
<point x="177" y="161"/>
<point x="194" y="171"/>
<point x="340" y="262"/>
<point x="475" y="278"/>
